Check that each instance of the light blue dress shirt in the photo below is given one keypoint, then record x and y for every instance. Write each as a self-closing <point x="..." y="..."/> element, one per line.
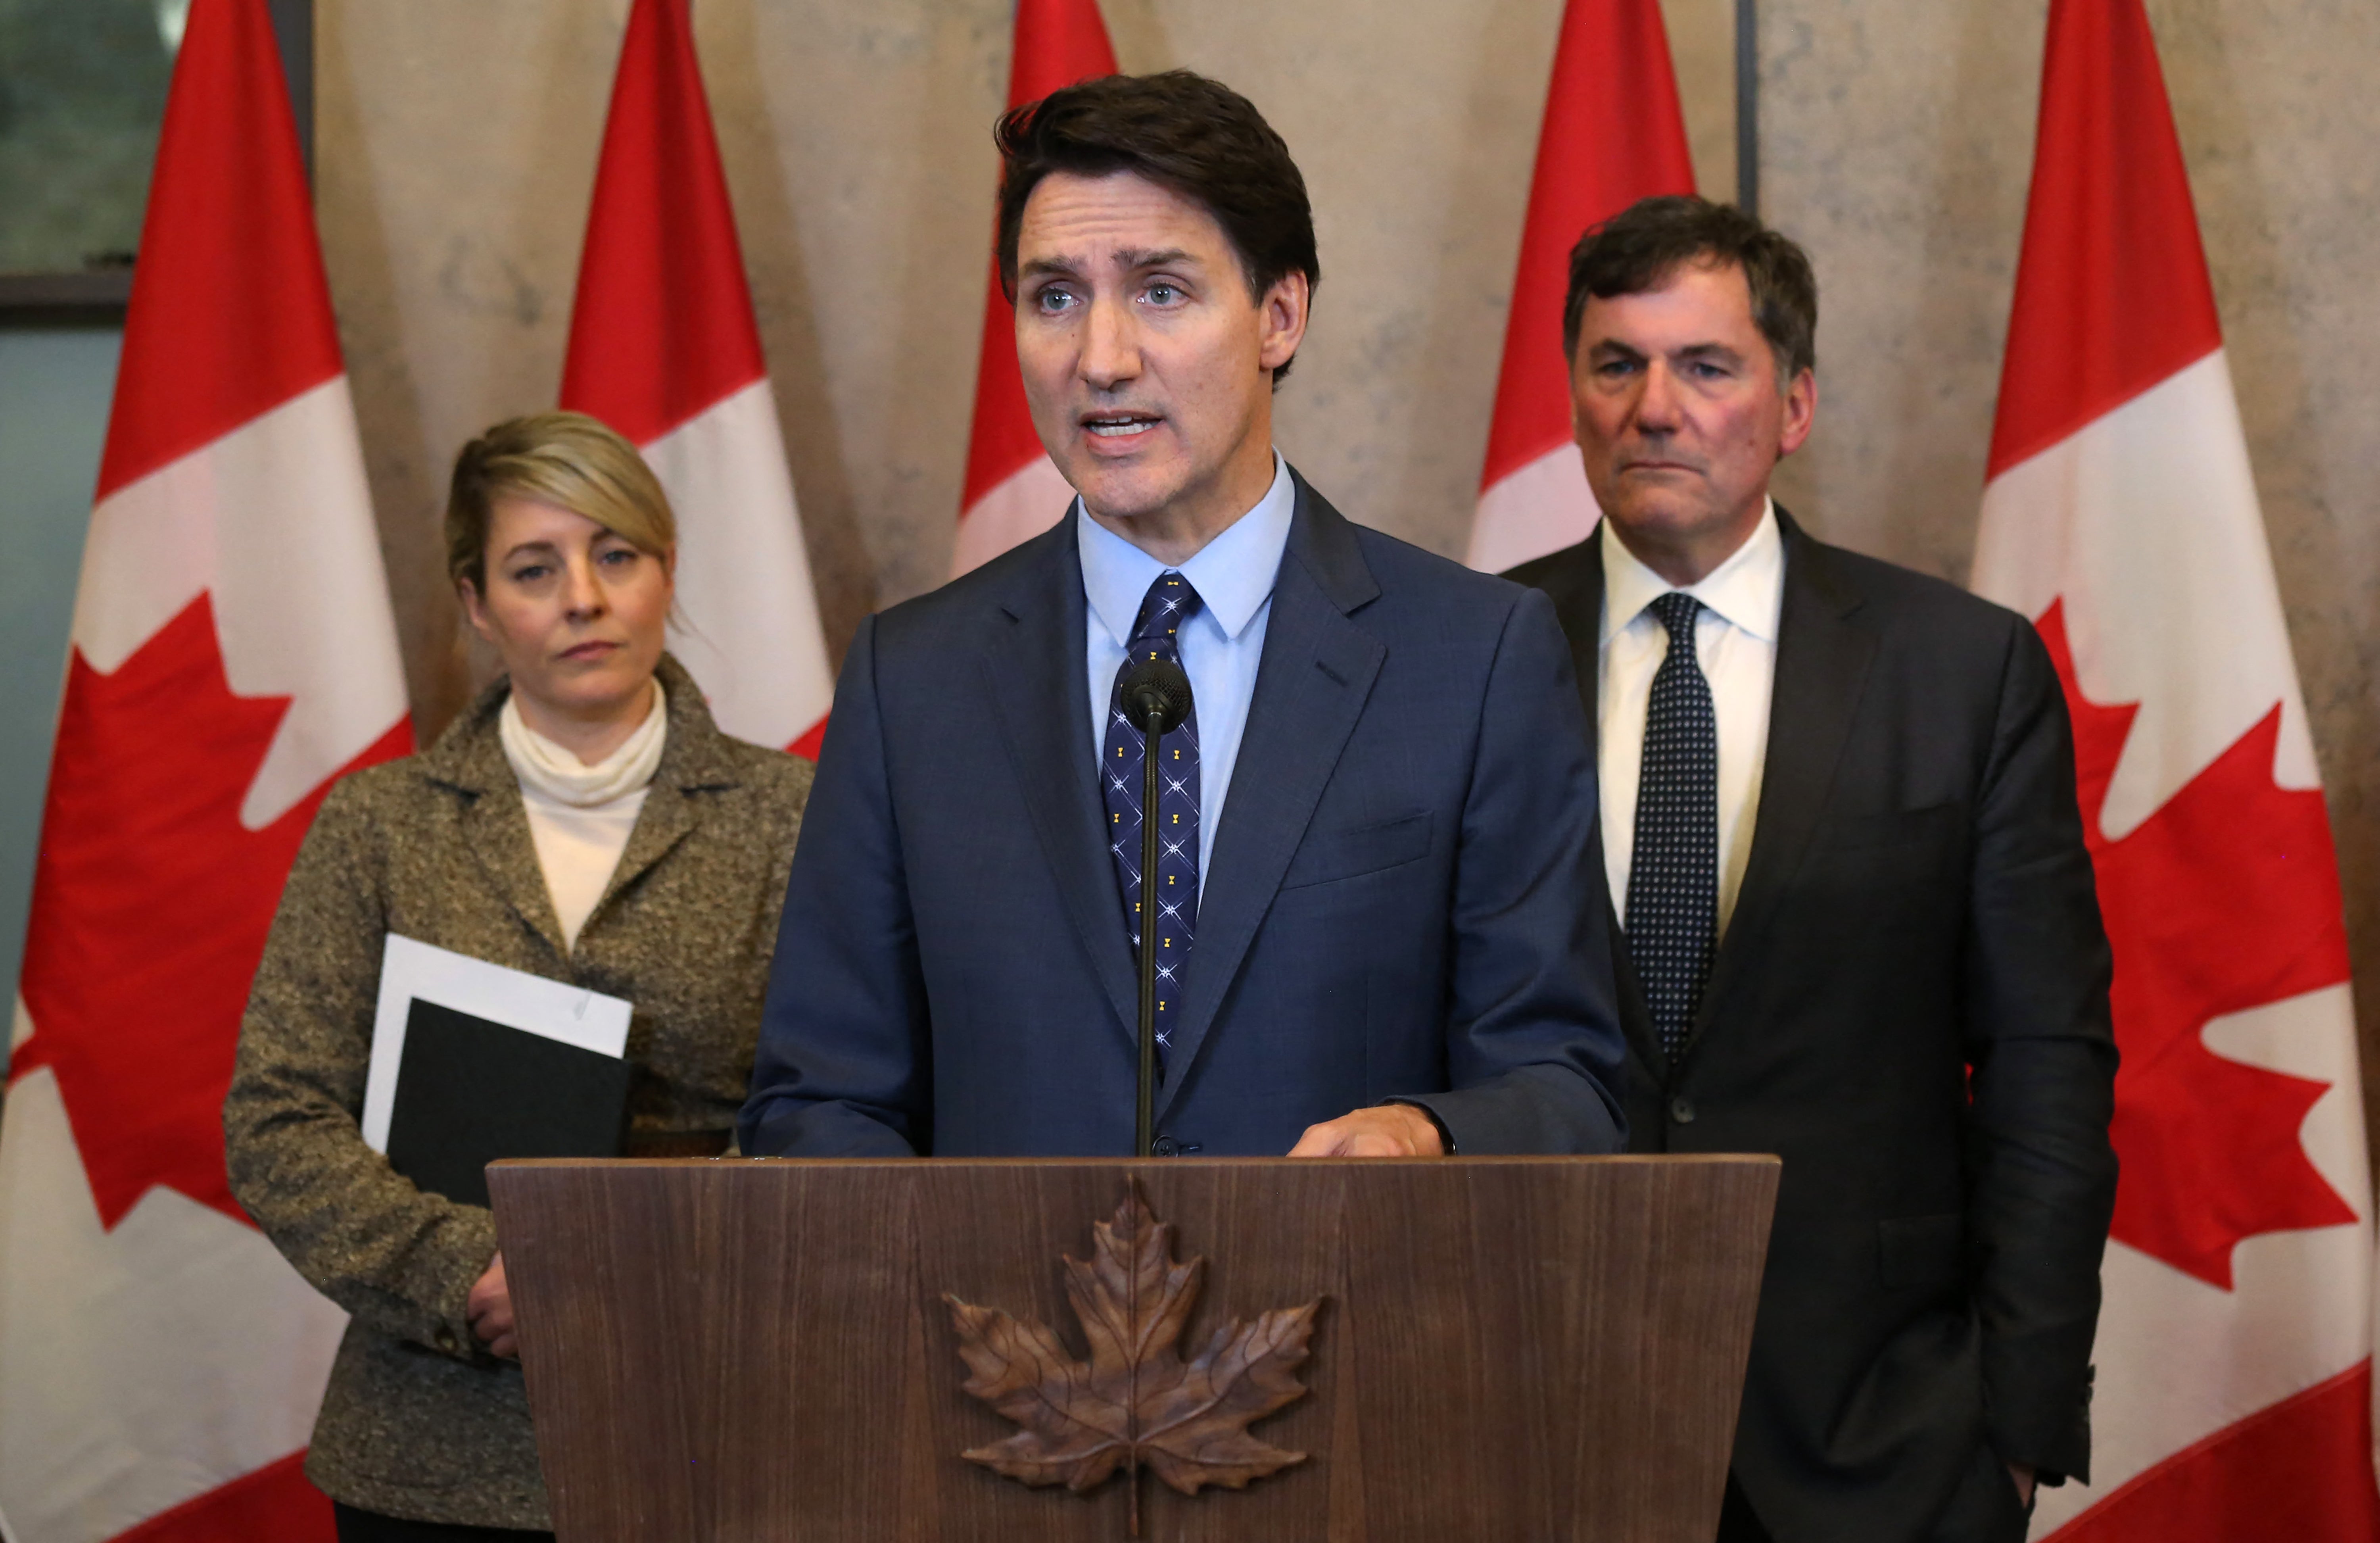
<point x="1221" y="646"/>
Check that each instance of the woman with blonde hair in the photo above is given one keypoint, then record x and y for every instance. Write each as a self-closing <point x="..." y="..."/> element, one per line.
<point x="583" y="820"/>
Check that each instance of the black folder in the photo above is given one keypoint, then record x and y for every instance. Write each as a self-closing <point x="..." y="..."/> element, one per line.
<point x="470" y="1091"/>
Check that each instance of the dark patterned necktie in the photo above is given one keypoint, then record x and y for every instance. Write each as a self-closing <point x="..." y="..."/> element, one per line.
<point x="1673" y="921"/>
<point x="1169" y="603"/>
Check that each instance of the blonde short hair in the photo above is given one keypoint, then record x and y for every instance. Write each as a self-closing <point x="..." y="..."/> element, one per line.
<point x="566" y="459"/>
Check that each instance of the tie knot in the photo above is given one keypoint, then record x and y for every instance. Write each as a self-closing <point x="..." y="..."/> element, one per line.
<point x="1677" y="611"/>
<point x="1169" y="602"/>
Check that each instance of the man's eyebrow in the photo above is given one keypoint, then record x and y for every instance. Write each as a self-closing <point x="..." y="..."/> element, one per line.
<point x="1130" y="259"/>
<point x="1606" y="348"/>
<point x="1164" y="257"/>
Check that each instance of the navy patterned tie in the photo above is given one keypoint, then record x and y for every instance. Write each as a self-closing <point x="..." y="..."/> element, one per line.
<point x="1169" y="603"/>
<point x="1673" y="921"/>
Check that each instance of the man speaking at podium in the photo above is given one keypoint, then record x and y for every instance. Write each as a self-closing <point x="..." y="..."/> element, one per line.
<point x="1378" y="922"/>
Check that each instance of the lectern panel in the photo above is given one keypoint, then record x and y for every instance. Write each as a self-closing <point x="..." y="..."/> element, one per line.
<point x="764" y="1350"/>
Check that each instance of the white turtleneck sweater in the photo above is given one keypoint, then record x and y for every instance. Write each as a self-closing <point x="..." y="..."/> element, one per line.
<point x="581" y="816"/>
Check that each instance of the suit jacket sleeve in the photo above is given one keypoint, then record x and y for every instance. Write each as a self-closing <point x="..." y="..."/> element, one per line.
<point x="844" y="1066"/>
<point x="399" y="1259"/>
<point x="1534" y="1043"/>
<point x="2042" y="1049"/>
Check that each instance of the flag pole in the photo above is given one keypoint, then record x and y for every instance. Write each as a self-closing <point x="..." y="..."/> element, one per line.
<point x="293" y="29"/>
<point x="1747" y="107"/>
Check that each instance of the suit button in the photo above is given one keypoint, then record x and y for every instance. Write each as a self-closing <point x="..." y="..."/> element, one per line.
<point x="446" y="1341"/>
<point x="1164" y="1146"/>
<point x="1681" y="1110"/>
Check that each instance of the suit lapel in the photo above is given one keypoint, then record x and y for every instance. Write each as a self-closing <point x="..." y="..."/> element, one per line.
<point x="1576" y="590"/>
<point x="1312" y="682"/>
<point x="666" y="820"/>
<point x="691" y="764"/>
<point x="470" y="758"/>
<point x="1033" y="667"/>
<point x="1822" y="663"/>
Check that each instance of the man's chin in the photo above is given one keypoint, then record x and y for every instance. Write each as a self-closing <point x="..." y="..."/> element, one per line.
<point x="1648" y="510"/>
<point x="1118" y="492"/>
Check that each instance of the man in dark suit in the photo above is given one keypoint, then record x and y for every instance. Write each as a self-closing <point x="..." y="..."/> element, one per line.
<point x="1378" y="927"/>
<point x="1856" y="915"/>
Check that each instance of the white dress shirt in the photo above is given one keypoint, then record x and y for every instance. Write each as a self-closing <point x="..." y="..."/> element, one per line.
<point x="1735" y="640"/>
<point x="1221" y="645"/>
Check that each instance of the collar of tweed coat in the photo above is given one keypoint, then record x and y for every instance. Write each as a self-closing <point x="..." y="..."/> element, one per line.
<point x="469" y="758"/>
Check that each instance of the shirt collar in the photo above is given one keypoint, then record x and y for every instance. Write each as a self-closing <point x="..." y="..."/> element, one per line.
<point x="1747" y="591"/>
<point x="1233" y="573"/>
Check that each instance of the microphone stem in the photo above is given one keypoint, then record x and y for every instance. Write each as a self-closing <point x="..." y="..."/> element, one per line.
<point x="1144" y="1123"/>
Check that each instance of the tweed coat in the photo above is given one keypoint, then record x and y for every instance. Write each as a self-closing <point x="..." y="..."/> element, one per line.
<point x="419" y="1420"/>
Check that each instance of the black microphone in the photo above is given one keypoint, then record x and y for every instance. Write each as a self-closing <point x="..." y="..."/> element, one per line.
<point x="1157" y="690"/>
<point x="1156" y="699"/>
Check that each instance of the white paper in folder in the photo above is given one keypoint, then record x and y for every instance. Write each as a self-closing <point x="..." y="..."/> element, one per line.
<point x="411" y="971"/>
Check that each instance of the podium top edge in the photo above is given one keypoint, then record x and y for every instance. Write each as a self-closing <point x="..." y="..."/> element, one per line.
<point x="1725" y="1159"/>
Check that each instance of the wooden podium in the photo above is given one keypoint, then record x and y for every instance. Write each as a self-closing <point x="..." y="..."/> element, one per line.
<point x="1523" y="1349"/>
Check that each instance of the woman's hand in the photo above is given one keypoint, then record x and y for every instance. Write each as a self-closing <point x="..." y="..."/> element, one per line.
<point x="490" y="1308"/>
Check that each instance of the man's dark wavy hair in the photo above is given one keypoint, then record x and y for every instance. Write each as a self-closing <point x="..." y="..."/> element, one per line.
<point x="1182" y="131"/>
<point x="1638" y="250"/>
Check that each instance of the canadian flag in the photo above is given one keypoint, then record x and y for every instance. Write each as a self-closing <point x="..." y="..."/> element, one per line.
<point x="664" y="348"/>
<point x="234" y="655"/>
<point x="2234" y="1354"/>
<point x="1013" y="490"/>
<point x="1613" y="134"/>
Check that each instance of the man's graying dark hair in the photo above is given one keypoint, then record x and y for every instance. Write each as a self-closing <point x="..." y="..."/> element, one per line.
<point x="1182" y="131"/>
<point x="1638" y="250"/>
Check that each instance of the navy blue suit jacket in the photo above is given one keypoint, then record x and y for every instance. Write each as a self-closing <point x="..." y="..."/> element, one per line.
<point x="1406" y="899"/>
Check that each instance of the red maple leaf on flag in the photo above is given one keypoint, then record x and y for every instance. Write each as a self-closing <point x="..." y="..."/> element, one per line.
<point x="151" y="906"/>
<point x="2226" y="899"/>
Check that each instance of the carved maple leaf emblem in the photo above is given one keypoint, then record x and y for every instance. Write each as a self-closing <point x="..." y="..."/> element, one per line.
<point x="2226" y="898"/>
<point x="1136" y="1402"/>
<point x="151" y="907"/>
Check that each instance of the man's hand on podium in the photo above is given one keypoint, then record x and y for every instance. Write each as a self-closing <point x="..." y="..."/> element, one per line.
<point x="490" y="1308"/>
<point x="1390" y="1130"/>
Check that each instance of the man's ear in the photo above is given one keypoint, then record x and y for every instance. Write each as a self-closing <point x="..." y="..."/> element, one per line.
<point x="1801" y="412"/>
<point x="1281" y="318"/>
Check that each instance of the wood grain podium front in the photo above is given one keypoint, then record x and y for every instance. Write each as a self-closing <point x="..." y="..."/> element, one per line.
<point x="1509" y="1350"/>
